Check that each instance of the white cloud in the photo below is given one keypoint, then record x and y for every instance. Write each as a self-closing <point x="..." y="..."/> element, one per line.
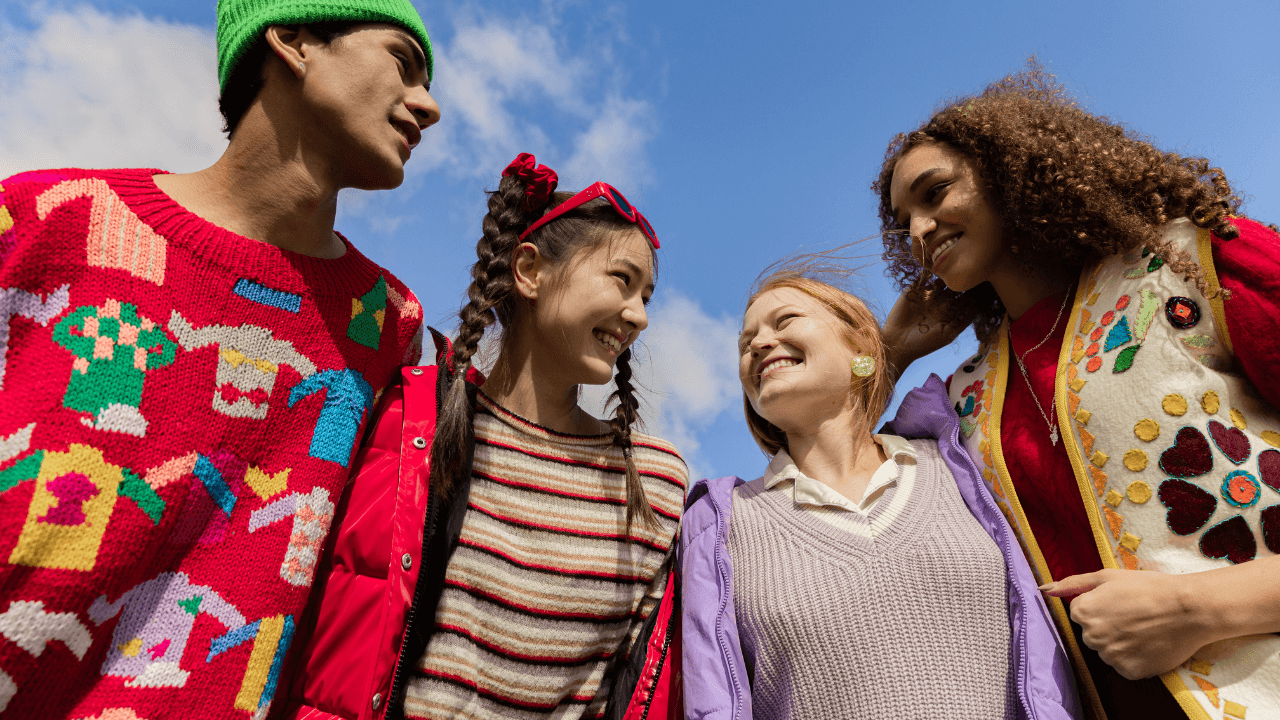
<point x="87" y="89"/>
<point x="687" y="373"/>
<point x="507" y="85"/>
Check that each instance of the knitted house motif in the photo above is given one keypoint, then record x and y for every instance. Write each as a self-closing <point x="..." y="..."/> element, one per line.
<point x="74" y="499"/>
<point x="249" y="360"/>
<point x="114" y="349"/>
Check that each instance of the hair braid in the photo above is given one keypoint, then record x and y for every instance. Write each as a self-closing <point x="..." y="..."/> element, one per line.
<point x="488" y="295"/>
<point x="623" y="418"/>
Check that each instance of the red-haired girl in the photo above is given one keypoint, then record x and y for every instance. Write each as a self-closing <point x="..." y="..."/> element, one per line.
<point x="1123" y="405"/>
<point x="861" y="575"/>
<point x="500" y="552"/>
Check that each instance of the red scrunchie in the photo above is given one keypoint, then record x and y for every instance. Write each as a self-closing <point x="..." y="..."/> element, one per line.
<point x="539" y="180"/>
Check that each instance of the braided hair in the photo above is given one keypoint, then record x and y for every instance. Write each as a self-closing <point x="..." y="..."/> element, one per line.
<point x="491" y="298"/>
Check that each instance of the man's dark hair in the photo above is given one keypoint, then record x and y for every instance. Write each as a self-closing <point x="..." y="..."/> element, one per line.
<point x="246" y="80"/>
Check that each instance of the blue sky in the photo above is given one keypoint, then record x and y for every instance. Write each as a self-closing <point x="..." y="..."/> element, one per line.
<point x="743" y="130"/>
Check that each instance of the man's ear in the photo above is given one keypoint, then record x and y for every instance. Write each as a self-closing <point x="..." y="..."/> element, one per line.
<point x="292" y="44"/>
<point x="527" y="266"/>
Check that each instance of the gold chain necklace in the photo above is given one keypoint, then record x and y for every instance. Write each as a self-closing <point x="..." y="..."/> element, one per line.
<point x="1053" y="428"/>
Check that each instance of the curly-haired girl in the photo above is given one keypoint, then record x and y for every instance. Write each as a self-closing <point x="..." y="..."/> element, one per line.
<point x="1123" y="404"/>
<point x="502" y="553"/>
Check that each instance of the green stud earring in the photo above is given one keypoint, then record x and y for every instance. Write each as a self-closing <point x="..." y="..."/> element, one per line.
<point x="863" y="365"/>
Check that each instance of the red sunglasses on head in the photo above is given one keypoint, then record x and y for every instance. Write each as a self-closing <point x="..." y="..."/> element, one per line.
<point x="591" y="192"/>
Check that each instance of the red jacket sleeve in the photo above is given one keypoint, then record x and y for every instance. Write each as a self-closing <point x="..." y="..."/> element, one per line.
<point x="1249" y="268"/>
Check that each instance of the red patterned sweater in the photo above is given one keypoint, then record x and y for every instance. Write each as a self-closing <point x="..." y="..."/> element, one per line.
<point x="178" y="408"/>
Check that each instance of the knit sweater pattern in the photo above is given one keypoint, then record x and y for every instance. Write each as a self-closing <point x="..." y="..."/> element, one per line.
<point x="544" y="590"/>
<point x="178" y="410"/>
<point x="911" y="623"/>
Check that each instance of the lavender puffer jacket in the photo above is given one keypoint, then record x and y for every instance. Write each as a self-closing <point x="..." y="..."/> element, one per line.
<point x="715" y="678"/>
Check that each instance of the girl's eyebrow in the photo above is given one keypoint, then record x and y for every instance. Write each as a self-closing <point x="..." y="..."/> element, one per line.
<point x="638" y="271"/>
<point x="915" y="184"/>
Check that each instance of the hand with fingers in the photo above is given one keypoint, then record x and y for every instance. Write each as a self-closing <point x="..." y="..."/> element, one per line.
<point x="1139" y="622"/>
<point x="913" y="330"/>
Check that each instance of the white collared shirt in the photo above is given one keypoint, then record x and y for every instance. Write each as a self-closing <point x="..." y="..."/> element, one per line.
<point x="882" y="501"/>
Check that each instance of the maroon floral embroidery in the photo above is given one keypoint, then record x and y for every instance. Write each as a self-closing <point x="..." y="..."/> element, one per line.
<point x="1271" y="528"/>
<point x="1189" y="456"/>
<point x="1231" y="539"/>
<point x="1190" y="507"/>
<point x="1230" y="440"/>
<point x="1269" y="468"/>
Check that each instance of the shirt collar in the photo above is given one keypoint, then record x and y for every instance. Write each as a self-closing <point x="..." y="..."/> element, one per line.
<point x="808" y="491"/>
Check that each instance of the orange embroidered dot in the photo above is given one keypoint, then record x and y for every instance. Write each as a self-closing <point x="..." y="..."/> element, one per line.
<point x="1107" y="318"/>
<point x="1138" y="492"/>
<point x="1135" y="460"/>
<point x="1174" y="404"/>
<point x="1094" y="363"/>
<point x="1147" y="429"/>
<point x="1097" y="334"/>
<point x="1093" y="349"/>
<point x="1210" y="402"/>
<point x="1123" y="302"/>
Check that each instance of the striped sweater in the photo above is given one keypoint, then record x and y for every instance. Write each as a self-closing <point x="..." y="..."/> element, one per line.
<point x="544" y="589"/>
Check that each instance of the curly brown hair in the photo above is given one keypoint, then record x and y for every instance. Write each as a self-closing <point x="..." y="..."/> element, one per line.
<point x="1070" y="186"/>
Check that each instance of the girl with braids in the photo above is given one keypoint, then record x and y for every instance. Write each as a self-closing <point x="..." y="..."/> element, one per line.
<point x="1123" y="404"/>
<point x="500" y="552"/>
<point x="820" y="589"/>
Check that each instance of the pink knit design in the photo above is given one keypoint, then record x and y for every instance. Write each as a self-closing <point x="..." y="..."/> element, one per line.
<point x="166" y="485"/>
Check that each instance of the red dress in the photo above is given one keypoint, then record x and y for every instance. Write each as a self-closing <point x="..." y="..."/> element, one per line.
<point x="1249" y="268"/>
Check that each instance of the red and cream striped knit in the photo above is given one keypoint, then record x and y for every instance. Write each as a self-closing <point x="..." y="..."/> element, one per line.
<point x="544" y="587"/>
<point x="178" y="410"/>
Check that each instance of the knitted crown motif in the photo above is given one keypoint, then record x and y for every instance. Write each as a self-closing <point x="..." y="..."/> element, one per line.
<point x="241" y="22"/>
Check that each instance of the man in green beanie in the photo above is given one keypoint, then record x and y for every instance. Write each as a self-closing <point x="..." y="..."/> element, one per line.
<point x="160" y="526"/>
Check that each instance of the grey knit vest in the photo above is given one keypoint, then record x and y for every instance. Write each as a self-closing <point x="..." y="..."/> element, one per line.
<point x="912" y="624"/>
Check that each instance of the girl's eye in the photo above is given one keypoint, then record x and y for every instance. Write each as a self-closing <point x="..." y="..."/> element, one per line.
<point x="625" y="278"/>
<point x="783" y="320"/>
<point x="932" y="193"/>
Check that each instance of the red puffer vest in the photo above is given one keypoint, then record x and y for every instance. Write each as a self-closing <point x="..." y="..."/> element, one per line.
<point x="361" y="635"/>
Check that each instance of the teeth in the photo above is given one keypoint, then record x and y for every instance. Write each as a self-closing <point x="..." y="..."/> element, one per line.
<point x="940" y="249"/>
<point x="609" y="340"/>
<point x="777" y="364"/>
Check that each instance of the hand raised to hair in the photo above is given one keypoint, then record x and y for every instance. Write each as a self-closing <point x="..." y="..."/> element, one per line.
<point x="912" y="331"/>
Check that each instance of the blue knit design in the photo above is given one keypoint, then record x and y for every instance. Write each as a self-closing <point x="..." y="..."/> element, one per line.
<point x="213" y="482"/>
<point x="250" y="290"/>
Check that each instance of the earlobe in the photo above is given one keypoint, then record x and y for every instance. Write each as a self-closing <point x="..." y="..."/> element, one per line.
<point x="287" y="42"/>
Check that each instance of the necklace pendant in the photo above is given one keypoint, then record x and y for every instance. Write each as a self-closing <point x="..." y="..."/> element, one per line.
<point x="1053" y="435"/>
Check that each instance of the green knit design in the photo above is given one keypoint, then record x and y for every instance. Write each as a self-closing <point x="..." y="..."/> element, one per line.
<point x="241" y="22"/>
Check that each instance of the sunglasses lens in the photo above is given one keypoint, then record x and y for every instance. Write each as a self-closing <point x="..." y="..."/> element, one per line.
<point x="622" y="202"/>
<point x="644" y="225"/>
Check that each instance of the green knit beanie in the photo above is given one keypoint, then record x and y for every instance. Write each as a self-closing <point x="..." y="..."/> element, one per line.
<point x="241" y="22"/>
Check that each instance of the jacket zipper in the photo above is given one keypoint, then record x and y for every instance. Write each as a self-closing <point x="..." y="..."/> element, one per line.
<point x="737" y="687"/>
<point x="398" y="679"/>
<point x="662" y="659"/>
<point x="954" y="427"/>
